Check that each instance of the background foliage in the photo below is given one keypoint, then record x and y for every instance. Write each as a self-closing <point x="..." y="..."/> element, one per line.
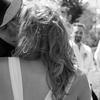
<point x="79" y="12"/>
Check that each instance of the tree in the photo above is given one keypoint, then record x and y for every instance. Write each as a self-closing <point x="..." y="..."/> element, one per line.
<point x="75" y="7"/>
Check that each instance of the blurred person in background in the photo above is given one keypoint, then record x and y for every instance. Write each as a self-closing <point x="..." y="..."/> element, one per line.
<point x="82" y="52"/>
<point x="97" y="56"/>
<point x="97" y="51"/>
<point x="83" y="56"/>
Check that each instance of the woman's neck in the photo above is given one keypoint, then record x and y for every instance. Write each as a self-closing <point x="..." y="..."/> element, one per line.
<point x="34" y="65"/>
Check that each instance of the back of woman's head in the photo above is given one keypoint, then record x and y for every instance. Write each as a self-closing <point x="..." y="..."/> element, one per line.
<point x="43" y="36"/>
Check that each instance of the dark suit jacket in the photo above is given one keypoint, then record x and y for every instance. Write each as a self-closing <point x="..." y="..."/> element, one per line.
<point x="5" y="48"/>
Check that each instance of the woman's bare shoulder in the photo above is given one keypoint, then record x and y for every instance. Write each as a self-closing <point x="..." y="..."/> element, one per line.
<point x="80" y="77"/>
<point x="81" y="82"/>
<point x="81" y="86"/>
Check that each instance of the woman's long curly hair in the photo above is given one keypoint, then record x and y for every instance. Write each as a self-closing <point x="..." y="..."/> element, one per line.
<point x="43" y="35"/>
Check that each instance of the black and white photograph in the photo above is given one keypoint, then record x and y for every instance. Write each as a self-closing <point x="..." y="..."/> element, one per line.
<point x="49" y="49"/>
